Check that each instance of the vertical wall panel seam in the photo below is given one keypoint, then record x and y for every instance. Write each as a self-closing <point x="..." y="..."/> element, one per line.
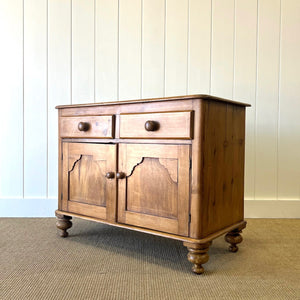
<point x="211" y="44"/>
<point x="165" y="33"/>
<point x="141" y="60"/>
<point x="94" y="51"/>
<point x="47" y="98"/>
<point x="23" y="91"/>
<point x="234" y="49"/>
<point x="71" y="52"/>
<point x="255" y="100"/>
<point x="278" y="112"/>
<point x="118" y="54"/>
<point x="188" y="48"/>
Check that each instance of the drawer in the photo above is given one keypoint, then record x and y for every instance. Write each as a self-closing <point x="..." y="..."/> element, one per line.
<point x="89" y="126"/>
<point x="161" y="125"/>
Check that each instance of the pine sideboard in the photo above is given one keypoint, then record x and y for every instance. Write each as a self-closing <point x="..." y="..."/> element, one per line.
<point x="172" y="167"/>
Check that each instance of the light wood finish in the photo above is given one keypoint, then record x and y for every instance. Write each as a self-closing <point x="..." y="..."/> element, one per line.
<point x="129" y="141"/>
<point x="198" y="255"/>
<point x="133" y="106"/>
<point x="174" y="168"/>
<point x="155" y="192"/>
<point x="63" y="223"/>
<point x="223" y="148"/>
<point x="174" y="98"/>
<point x="233" y="238"/>
<point x="196" y="174"/>
<point x="86" y="188"/>
<point x="159" y="233"/>
<point x="87" y="127"/>
<point x="157" y="125"/>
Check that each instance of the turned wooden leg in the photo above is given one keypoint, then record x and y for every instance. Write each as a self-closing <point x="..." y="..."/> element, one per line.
<point x="233" y="238"/>
<point x="63" y="223"/>
<point x="197" y="255"/>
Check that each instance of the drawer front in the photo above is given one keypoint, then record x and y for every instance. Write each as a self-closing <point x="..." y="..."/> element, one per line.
<point x="162" y="125"/>
<point x="89" y="126"/>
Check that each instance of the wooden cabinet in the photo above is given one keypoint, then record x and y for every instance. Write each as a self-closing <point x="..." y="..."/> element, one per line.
<point x="172" y="167"/>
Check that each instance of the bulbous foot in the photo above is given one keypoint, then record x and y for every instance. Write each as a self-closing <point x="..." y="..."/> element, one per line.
<point x="233" y="238"/>
<point x="197" y="255"/>
<point x="63" y="223"/>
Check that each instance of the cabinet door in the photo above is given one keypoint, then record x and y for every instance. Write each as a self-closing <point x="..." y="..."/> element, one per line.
<point x="155" y="191"/>
<point x="86" y="189"/>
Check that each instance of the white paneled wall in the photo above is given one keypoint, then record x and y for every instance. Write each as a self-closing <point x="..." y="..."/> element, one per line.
<point x="59" y="78"/>
<point x="244" y="81"/>
<point x="83" y="50"/>
<point x="35" y="127"/>
<point x="106" y="50"/>
<point x="267" y="101"/>
<point x="288" y="139"/>
<point x="176" y="52"/>
<point x="75" y="51"/>
<point x="11" y="97"/>
<point x="222" y="48"/>
<point x="130" y="54"/>
<point x="199" y="49"/>
<point x="153" y="48"/>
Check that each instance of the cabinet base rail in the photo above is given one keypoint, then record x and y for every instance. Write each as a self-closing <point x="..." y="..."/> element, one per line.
<point x="197" y="248"/>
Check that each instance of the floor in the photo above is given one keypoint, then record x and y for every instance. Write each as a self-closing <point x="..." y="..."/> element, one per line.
<point x="101" y="262"/>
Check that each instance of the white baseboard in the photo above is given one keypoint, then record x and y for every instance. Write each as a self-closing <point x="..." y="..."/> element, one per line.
<point x="28" y="207"/>
<point x="45" y="207"/>
<point x="272" y="208"/>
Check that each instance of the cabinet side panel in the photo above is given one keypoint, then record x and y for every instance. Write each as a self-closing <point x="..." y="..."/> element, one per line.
<point x="222" y="202"/>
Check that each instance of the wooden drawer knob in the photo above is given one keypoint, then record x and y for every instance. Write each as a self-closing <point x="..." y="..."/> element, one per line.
<point x="120" y="175"/>
<point x="83" y="126"/>
<point x="110" y="175"/>
<point x="151" y="125"/>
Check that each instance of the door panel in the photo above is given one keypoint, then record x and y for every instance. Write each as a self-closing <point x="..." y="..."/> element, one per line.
<point x="87" y="180"/>
<point x="155" y="191"/>
<point x="86" y="190"/>
<point x="157" y="197"/>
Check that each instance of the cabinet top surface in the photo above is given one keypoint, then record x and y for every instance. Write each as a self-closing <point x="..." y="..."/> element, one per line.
<point x="186" y="97"/>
